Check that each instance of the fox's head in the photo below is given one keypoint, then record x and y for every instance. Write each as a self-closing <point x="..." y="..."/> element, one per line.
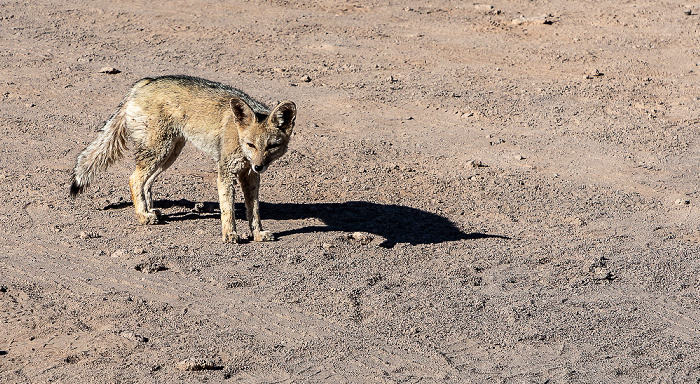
<point x="264" y="139"/>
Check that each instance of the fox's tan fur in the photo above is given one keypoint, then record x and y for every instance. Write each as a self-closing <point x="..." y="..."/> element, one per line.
<point x="161" y="114"/>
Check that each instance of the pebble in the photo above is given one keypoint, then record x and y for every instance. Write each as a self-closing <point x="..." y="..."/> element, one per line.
<point x="360" y="237"/>
<point x="203" y="208"/>
<point x="475" y="164"/>
<point x="306" y="78"/>
<point x="682" y="202"/>
<point x="196" y="364"/>
<point x="575" y="221"/>
<point x="293" y="259"/>
<point x="119" y="253"/>
<point x="150" y="267"/>
<point x="594" y="73"/>
<point x="88" y="235"/>
<point x="538" y="20"/>
<point x="600" y="273"/>
<point x="483" y="7"/>
<point x="134" y="337"/>
<point x="109" y="70"/>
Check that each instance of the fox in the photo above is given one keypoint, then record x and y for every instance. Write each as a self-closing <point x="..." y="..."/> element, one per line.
<point x="160" y="115"/>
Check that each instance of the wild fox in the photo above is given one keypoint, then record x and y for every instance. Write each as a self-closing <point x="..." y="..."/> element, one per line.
<point x="161" y="114"/>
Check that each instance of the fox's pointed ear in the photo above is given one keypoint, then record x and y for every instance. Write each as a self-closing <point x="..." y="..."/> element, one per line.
<point x="242" y="112"/>
<point x="283" y="116"/>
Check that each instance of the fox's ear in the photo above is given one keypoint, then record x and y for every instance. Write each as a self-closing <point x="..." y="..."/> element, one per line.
<point x="243" y="113"/>
<point x="283" y="116"/>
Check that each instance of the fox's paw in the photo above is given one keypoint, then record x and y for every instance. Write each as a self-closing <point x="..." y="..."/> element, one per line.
<point x="263" y="236"/>
<point x="149" y="218"/>
<point x="230" y="237"/>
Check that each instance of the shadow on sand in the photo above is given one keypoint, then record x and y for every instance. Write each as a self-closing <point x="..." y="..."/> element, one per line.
<point x="394" y="223"/>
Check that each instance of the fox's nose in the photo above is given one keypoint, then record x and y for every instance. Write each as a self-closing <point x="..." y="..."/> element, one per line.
<point x="258" y="168"/>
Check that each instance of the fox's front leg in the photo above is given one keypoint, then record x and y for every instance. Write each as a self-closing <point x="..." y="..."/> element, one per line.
<point x="250" y="183"/>
<point x="228" y="219"/>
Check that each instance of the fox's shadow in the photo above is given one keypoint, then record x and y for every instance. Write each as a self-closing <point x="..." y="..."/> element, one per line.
<point x="394" y="223"/>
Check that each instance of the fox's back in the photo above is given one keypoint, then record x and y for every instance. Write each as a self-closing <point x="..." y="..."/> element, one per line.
<point x="192" y="107"/>
<point x="186" y="96"/>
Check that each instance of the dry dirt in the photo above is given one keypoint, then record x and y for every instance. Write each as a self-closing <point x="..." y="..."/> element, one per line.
<point x="501" y="192"/>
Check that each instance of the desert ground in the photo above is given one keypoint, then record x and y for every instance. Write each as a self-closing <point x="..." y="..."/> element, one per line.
<point x="499" y="192"/>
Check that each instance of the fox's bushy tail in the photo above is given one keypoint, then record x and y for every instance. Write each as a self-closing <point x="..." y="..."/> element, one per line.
<point x="101" y="153"/>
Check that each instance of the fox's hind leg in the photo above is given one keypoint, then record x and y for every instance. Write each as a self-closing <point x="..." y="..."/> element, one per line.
<point x="150" y="162"/>
<point x="138" y="196"/>
<point x="174" y="153"/>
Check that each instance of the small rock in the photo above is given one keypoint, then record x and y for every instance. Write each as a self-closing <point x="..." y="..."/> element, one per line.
<point x="599" y="270"/>
<point x="360" y="237"/>
<point x="293" y="259"/>
<point x="327" y="246"/>
<point x="109" y="70"/>
<point x="203" y="208"/>
<point x="138" y="251"/>
<point x="3" y="288"/>
<point x="522" y="20"/>
<point x="594" y="73"/>
<point x="197" y="364"/>
<point x="475" y="164"/>
<point x="688" y="12"/>
<point x="682" y="202"/>
<point x="88" y="235"/>
<point x="150" y="267"/>
<point x="575" y="221"/>
<point x="119" y="253"/>
<point x="600" y="274"/>
<point x="134" y="337"/>
<point x="306" y="78"/>
<point x="483" y="7"/>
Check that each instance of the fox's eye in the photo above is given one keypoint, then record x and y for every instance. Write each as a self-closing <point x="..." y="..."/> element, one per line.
<point x="251" y="145"/>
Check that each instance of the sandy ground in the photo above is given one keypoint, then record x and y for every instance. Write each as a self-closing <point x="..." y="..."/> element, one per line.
<point x="495" y="193"/>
